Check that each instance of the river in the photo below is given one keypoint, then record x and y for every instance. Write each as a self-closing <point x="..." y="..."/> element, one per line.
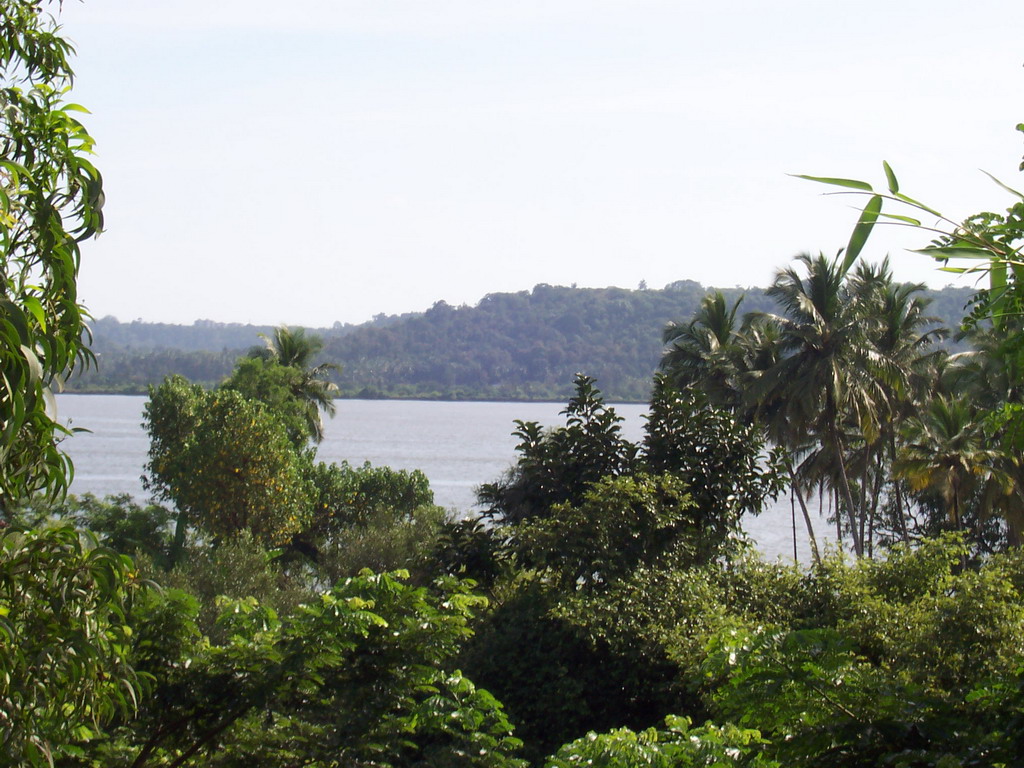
<point x="458" y="445"/>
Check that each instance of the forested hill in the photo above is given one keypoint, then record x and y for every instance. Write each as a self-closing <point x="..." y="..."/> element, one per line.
<point x="525" y="345"/>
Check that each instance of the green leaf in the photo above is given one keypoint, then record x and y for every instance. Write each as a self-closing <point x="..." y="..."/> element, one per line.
<point x="997" y="275"/>
<point x="862" y="230"/>
<point x="890" y="177"/>
<point x="955" y="252"/>
<point x="1011" y="190"/>
<point x="35" y="367"/>
<point x="897" y="217"/>
<point x="835" y="182"/>
<point x="917" y="204"/>
<point x="33" y="305"/>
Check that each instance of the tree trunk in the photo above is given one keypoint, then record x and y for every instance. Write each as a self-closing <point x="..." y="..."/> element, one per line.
<point x="851" y="510"/>
<point x="898" y="492"/>
<point x="795" y="489"/>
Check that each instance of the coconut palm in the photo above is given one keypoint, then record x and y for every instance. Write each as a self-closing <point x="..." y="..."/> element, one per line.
<point x="990" y="376"/>
<point x="703" y="353"/>
<point x="820" y="383"/>
<point x="903" y="338"/>
<point x="292" y="348"/>
<point x="946" y="450"/>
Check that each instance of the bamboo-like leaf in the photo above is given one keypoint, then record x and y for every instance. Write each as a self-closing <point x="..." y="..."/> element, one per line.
<point x="997" y="275"/>
<point x="997" y="285"/>
<point x="1011" y="190"/>
<point x="897" y="217"/>
<point x="917" y="204"/>
<point x="835" y="182"/>
<point x="862" y="231"/>
<point x="955" y="252"/>
<point x="890" y="177"/>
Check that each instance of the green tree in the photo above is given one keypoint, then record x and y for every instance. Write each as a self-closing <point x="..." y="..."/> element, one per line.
<point x="293" y="349"/>
<point x="621" y="523"/>
<point x="361" y="676"/>
<point x="274" y="386"/>
<point x="65" y="669"/>
<point x="63" y="637"/>
<point x="705" y="353"/>
<point x="678" y="745"/>
<point x="558" y="466"/>
<point x="946" y="450"/>
<point x="904" y="335"/>
<point x="725" y="464"/>
<point x="822" y="378"/>
<point x="371" y="517"/>
<point x="50" y="201"/>
<point x="906" y="661"/>
<point x="225" y="462"/>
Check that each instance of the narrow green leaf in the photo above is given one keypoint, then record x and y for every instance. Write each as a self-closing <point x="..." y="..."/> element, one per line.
<point x="955" y="252"/>
<point x="917" y="204"/>
<point x="898" y="217"/>
<point x="849" y="183"/>
<point x="34" y="366"/>
<point x="33" y="305"/>
<point x="890" y="177"/>
<point x="861" y="231"/>
<point x="1011" y="190"/>
<point x="997" y="275"/>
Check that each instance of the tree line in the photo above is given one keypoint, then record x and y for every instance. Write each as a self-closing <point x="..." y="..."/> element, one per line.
<point x="511" y="346"/>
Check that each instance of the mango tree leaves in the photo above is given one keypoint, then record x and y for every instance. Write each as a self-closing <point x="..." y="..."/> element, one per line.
<point x="51" y="199"/>
<point x="64" y="642"/>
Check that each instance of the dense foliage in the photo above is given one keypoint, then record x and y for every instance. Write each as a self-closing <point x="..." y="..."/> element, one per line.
<point x="51" y="199"/>
<point x="611" y="605"/>
<point x="511" y="346"/>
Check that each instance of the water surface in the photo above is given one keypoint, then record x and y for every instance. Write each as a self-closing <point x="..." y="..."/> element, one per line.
<point x="458" y="445"/>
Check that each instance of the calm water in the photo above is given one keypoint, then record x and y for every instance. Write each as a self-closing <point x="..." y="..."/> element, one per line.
<point x="457" y="445"/>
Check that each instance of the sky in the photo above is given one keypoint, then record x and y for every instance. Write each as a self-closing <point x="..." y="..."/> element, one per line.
<point x="326" y="161"/>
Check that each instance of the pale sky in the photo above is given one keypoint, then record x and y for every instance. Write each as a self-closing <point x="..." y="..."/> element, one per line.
<point x="328" y="160"/>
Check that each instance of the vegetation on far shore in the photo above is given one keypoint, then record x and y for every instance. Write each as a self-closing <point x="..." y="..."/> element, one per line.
<point x="266" y="608"/>
<point x="523" y="346"/>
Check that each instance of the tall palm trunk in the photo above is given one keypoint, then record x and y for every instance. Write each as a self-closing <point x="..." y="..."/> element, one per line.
<point x="898" y="492"/>
<point x="807" y="518"/>
<point x="851" y="509"/>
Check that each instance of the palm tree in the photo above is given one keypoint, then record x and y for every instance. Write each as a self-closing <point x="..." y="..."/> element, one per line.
<point x="718" y="356"/>
<point x="292" y="348"/>
<point x="990" y="376"/>
<point x="703" y="353"/>
<point x="946" y="450"/>
<point x="819" y="386"/>
<point x="903" y="338"/>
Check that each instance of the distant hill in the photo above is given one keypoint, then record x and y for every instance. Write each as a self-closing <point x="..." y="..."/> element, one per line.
<point x="510" y="346"/>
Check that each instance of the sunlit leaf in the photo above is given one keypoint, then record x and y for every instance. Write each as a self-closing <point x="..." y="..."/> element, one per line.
<point x="836" y="182"/>
<point x="890" y="177"/>
<point x="955" y="252"/>
<point x="862" y="231"/>
<point x="917" y="204"/>
<point x="903" y="219"/>
<point x="1011" y="190"/>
